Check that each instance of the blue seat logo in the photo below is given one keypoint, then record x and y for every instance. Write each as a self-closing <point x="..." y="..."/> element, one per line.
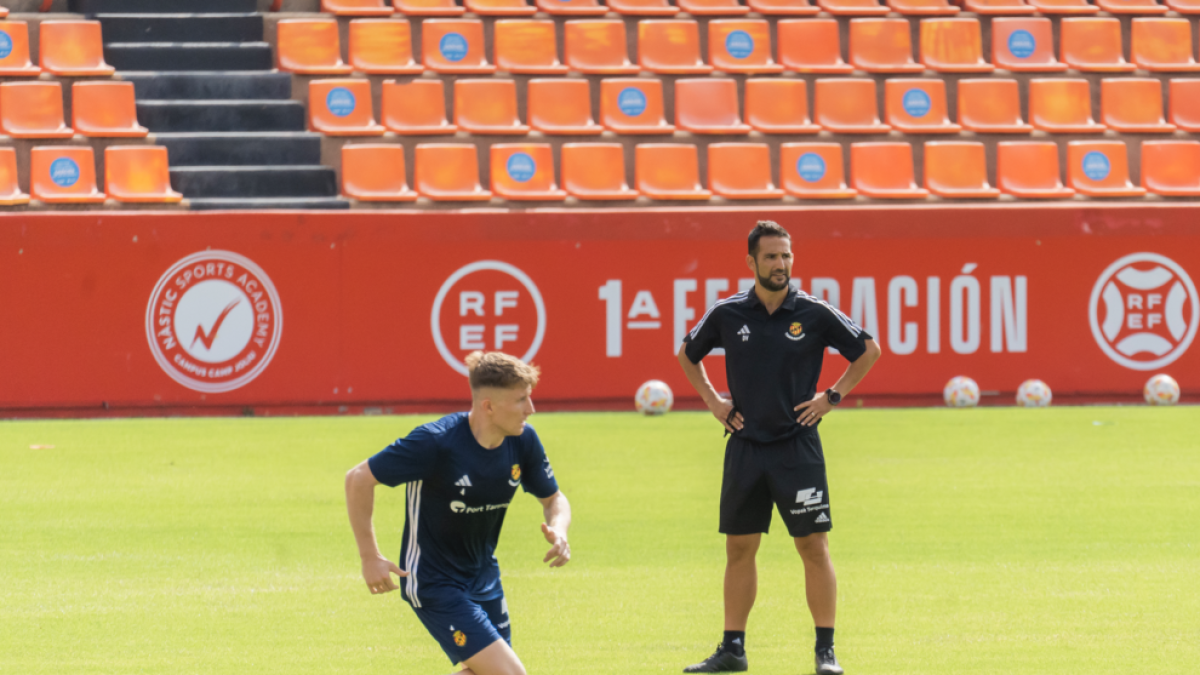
<point x="811" y="167"/>
<point x="1021" y="44"/>
<point x="521" y="167"/>
<point x="631" y="101"/>
<point x="5" y="45"/>
<point x="340" y="101"/>
<point x="916" y="103"/>
<point x="64" y="172"/>
<point x="1096" y="166"/>
<point x="453" y="47"/>
<point x="739" y="44"/>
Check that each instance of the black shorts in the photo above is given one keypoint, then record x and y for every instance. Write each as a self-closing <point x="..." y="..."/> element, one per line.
<point x="790" y="474"/>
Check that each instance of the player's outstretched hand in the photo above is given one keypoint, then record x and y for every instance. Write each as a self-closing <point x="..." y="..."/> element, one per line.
<point x="378" y="571"/>
<point x="723" y="411"/>
<point x="811" y="411"/>
<point x="560" y="553"/>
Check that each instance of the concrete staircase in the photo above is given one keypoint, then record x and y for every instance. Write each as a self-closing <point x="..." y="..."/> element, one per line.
<point x="206" y="90"/>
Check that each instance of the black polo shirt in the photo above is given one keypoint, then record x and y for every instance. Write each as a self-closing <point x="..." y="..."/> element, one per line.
<point x="773" y="361"/>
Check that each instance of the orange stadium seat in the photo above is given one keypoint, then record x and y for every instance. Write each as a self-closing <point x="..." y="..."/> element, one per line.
<point x="1162" y="45"/>
<point x="597" y="47"/>
<point x="814" y="171"/>
<point x="16" y="62"/>
<point x="64" y="174"/>
<point x="448" y="172"/>
<point x="708" y="105"/>
<point x="882" y="46"/>
<point x="1099" y="169"/>
<point x="1093" y="44"/>
<point x="670" y="47"/>
<point x="429" y="7"/>
<point x="848" y="106"/>
<point x="572" y="7"/>
<point x="811" y="46"/>
<point x="1184" y="97"/>
<point x="776" y="105"/>
<point x="1029" y="170"/>
<point x="668" y="171"/>
<point x="417" y="108"/>
<point x="1062" y="106"/>
<point x="953" y="46"/>
<point x="72" y="49"/>
<point x="1133" y="105"/>
<point x="957" y="170"/>
<point x="561" y="107"/>
<point x="884" y="171"/>
<point x="487" y="107"/>
<point x="309" y="47"/>
<point x="741" y="171"/>
<point x="998" y="7"/>
<point x="382" y="47"/>
<point x="356" y="7"/>
<point x="524" y="172"/>
<point x="1169" y="168"/>
<point x="918" y="106"/>
<point x="923" y="7"/>
<point x="105" y="109"/>
<point x="1132" y="7"/>
<point x="527" y="47"/>
<point x="10" y="189"/>
<point x="784" y="7"/>
<point x="500" y="7"/>
<point x="1185" y="6"/>
<point x="454" y="46"/>
<point x="595" y="171"/>
<point x="643" y="7"/>
<point x="991" y="106"/>
<point x="342" y="108"/>
<point x="3" y="12"/>
<point x="741" y="46"/>
<point x="138" y="174"/>
<point x="853" y="7"/>
<point x="633" y="106"/>
<point x="1024" y="45"/>
<point x="375" y="173"/>
<point x="713" y="7"/>
<point x="1064" y="6"/>
<point x="33" y="110"/>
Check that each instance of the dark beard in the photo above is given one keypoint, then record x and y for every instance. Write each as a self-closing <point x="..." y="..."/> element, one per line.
<point x="766" y="282"/>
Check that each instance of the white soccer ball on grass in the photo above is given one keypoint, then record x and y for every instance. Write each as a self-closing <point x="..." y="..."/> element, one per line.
<point x="1162" y="389"/>
<point x="961" y="392"/>
<point x="654" y="398"/>
<point x="1034" y="394"/>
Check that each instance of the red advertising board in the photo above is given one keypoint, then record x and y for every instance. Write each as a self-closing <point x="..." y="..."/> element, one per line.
<point x="188" y="311"/>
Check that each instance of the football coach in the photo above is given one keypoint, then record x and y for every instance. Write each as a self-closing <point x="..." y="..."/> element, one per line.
<point x="774" y="339"/>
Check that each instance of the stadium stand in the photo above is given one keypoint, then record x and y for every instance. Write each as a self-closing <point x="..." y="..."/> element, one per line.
<point x="633" y="106"/>
<point x="853" y="7"/>
<point x="527" y="47"/>
<point x="1030" y="170"/>
<point x="106" y="110"/>
<point x="991" y="106"/>
<point x="741" y="171"/>
<point x="778" y="106"/>
<point x="953" y="46"/>
<point x="1184" y="97"/>
<point x="1024" y="45"/>
<point x="1171" y="168"/>
<point x="708" y="106"/>
<point x="741" y="46"/>
<point x="1062" y="105"/>
<point x="10" y="187"/>
<point x="848" y="106"/>
<point x="669" y="172"/>
<point x="1133" y="105"/>
<point x="64" y="174"/>
<point x="16" y="63"/>
<point x="33" y="110"/>
<point x="670" y="47"/>
<point x="72" y="49"/>
<point x="957" y="170"/>
<point x="814" y="171"/>
<point x="309" y="47"/>
<point x="1162" y="45"/>
<point x="918" y="106"/>
<point x="524" y="172"/>
<point x="812" y="46"/>
<point x="998" y="7"/>
<point x="784" y="7"/>
<point x="454" y="46"/>
<point x="1093" y="44"/>
<point x="500" y="7"/>
<point x="595" y="171"/>
<point x="884" y="170"/>
<point x="597" y="47"/>
<point x="572" y="7"/>
<point x="449" y="172"/>
<point x="1099" y="169"/>
<point x="428" y="7"/>
<point x="561" y="107"/>
<point x="342" y="108"/>
<point x="138" y="174"/>
<point x="356" y="7"/>
<point x="375" y="173"/>
<point x="487" y="107"/>
<point x="882" y="46"/>
<point x="923" y="7"/>
<point x="642" y="7"/>
<point x="416" y="108"/>
<point x="713" y="7"/>
<point x="382" y="47"/>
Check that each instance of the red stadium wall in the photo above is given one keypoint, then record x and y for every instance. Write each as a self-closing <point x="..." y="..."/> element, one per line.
<point x="144" y="312"/>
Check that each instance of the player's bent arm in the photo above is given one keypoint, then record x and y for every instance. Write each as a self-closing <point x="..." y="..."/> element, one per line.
<point x="858" y="368"/>
<point x="557" y="512"/>
<point x="360" y="504"/>
<point x="698" y="377"/>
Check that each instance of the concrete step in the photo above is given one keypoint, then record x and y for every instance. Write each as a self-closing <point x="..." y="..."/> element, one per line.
<point x="241" y="149"/>
<point x="160" y="6"/>
<point x="270" y="203"/>
<point x="188" y="55"/>
<point x="255" y="181"/>
<point x="166" y="116"/>
<point x="238" y="84"/>
<point x="181" y="27"/>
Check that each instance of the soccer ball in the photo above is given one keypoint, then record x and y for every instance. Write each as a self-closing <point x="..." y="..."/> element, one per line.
<point x="653" y="398"/>
<point x="1162" y="389"/>
<point x="961" y="392"/>
<point x="1034" y="394"/>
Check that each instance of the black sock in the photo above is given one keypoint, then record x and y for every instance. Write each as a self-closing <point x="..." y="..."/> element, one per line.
<point x="824" y="637"/>
<point x="735" y="641"/>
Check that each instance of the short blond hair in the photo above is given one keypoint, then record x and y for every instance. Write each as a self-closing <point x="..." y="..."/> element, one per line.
<point x="497" y="369"/>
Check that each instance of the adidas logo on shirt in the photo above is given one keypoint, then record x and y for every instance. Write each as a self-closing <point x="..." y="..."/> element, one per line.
<point x="744" y="332"/>
<point x="823" y="518"/>
<point x="463" y="482"/>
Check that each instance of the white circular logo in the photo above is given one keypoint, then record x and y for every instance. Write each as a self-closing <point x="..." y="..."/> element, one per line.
<point x="492" y="306"/>
<point x="1144" y="311"/>
<point x="214" y="321"/>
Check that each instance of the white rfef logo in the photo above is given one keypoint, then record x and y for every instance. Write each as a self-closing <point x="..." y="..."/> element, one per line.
<point x="492" y="306"/>
<point x="214" y="321"/>
<point x="1144" y="311"/>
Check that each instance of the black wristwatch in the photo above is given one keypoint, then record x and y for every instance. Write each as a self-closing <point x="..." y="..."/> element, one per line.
<point x="833" y="396"/>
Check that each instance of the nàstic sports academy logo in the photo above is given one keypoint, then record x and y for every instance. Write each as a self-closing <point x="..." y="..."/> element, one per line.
<point x="214" y="321"/>
<point x="1144" y="311"/>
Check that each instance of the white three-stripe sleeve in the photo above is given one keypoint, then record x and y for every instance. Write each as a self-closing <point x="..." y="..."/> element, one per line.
<point x="706" y="335"/>
<point x="413" y="557"/>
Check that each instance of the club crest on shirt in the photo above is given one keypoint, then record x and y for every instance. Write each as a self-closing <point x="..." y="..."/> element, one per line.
<point x="516" y="475"/>
<point x="795" y="331"/>
<point x="460" y="638"/>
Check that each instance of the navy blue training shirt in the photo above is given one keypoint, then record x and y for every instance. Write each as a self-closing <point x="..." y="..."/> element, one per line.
<point x="458" y="492"/>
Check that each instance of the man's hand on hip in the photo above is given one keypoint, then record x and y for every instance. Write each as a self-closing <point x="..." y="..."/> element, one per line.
<point x="811" y="411"/>
<point x="722" y="410"/>
<point x="378" y="571"/>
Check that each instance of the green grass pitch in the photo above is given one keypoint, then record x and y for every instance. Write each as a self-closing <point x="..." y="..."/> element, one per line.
<point x="966" y="541"/>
